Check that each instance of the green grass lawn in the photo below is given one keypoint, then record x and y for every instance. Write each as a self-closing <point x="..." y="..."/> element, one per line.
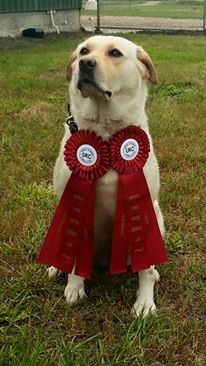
<point x="37" y="326"/>
<point x="166" y="9"/>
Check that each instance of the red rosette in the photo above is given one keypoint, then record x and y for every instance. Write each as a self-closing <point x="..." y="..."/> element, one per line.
<point x="69" y="242"/>
<point x="131" y="165"/>
<point x="96" y="146"/>
<point x="136" y="232"/>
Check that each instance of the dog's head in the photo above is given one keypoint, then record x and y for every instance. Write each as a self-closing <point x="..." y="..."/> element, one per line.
<point x="105" y="66"/>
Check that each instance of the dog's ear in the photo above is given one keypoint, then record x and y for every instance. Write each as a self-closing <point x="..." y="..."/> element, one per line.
<point x="149" y="69"/>
<point x="69" y="66"/>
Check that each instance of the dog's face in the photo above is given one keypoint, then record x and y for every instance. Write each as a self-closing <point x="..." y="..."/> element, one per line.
<point x="104" y="66"/>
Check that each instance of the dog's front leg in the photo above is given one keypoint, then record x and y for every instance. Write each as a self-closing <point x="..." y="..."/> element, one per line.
<point x="74" y="290"/>
<point x="144" y="303"/>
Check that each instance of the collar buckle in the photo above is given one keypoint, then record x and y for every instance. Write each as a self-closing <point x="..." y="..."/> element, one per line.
<point x="71" y="122"/>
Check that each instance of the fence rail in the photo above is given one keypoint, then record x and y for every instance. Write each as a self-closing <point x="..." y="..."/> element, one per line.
<point x="151" y="15"/>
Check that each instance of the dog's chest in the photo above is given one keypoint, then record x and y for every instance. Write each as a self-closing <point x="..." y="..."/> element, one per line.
<point x="106" y="190"/>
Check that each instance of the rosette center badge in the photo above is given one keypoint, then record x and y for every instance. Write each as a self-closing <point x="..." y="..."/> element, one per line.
<point x="129" y="149"/>
<point x="87" y="155"/>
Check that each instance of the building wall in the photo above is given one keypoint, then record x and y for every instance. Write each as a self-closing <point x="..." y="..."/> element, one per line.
<point x="12" y="24"/>
<point x="9" y="6"/>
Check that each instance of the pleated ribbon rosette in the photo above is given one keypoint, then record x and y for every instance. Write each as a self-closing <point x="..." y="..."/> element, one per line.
<point x="136" y="231"/>
<point x="69" y="242"/>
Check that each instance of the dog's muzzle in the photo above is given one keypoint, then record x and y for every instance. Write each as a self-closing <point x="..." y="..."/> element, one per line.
<point x="86" y="72"/>
<point x="87" y="67"/>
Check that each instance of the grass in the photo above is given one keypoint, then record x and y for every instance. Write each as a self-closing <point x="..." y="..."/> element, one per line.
<point x="37" y="326"/>
<point x="164" y="9"/>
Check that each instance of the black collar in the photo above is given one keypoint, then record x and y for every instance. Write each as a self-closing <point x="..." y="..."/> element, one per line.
<point x="71" y="122"/>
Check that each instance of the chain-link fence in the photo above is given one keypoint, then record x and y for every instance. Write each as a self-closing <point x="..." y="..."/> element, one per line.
<point x="144" y="15"/>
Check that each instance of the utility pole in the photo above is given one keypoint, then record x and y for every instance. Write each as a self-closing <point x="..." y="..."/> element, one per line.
<point x="97" y="30"/>
<point x="204" y="17"/>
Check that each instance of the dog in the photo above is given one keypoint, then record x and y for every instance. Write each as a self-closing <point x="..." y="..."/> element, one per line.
<point x="108" y="89"/>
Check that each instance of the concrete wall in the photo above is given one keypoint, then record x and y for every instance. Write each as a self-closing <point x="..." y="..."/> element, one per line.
<point x="12" y="24"/>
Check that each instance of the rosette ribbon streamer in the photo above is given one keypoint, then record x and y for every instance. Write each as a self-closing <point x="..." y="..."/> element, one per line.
<point x="136" y="231"/>
<point x="68" y="245"/>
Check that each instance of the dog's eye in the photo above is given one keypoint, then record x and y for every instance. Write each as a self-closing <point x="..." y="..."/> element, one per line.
<point x="84" y="51"/>
<point x="115" y="53"/>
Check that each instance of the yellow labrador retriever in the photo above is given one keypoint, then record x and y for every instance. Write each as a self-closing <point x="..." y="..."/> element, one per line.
<point x="108" y="89"/>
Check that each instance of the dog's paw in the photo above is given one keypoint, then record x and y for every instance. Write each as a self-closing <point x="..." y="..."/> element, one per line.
<point x="143" y="307"/>
<point x="52" y="272"/>
<point x="73" y="294"/>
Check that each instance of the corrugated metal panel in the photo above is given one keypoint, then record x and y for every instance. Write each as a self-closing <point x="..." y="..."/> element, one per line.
<point x="10" y="6"/>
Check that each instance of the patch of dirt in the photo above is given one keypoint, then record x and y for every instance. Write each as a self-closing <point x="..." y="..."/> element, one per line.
<point x="150" y="3"/>
<point x="142" y="23"/>
<point x="38" y="111"/>
<point x="12" y="43"/>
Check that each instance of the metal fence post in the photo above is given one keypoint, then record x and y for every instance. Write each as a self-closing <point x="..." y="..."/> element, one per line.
<point x="204" y="17"/>
<point x="97" y="30"/>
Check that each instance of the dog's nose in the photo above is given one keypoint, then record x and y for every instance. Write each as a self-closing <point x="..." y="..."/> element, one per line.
<point x="87" y="64"/>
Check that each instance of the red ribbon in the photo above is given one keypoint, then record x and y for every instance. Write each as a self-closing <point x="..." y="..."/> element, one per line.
<point x="69" y="242"/>
<point x="136" y="231"/>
